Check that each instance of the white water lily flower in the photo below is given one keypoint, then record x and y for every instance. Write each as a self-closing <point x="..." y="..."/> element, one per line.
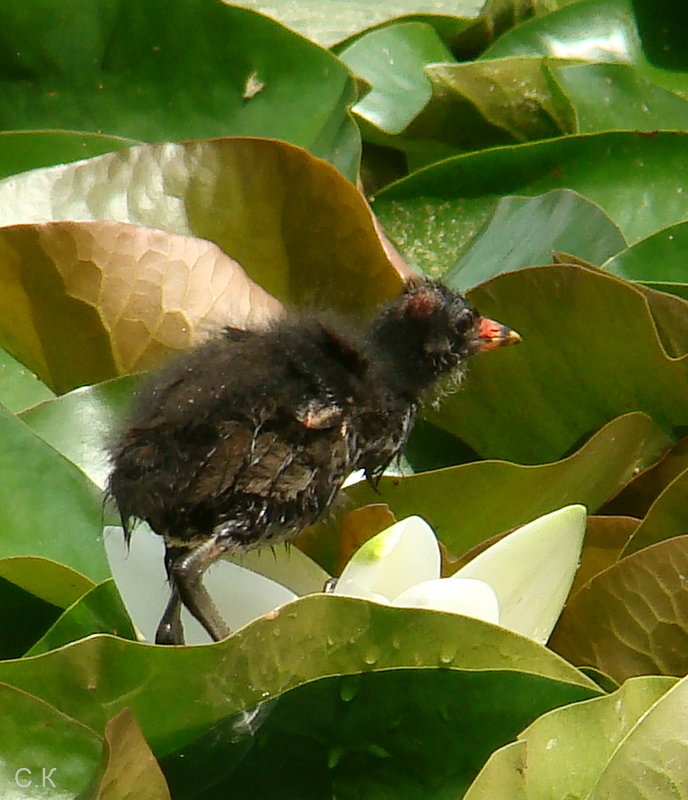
<point x="521" y="582"/>
<point x="532" y="570"/>
<point x="401" y="566"/>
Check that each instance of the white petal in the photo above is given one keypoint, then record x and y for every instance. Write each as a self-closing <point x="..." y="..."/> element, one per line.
<point x="240" y="595"/>
<point x="393" y="561"/>
<point x="285" y="565"/>
<point x="531" y="570"/>
<point x="354" y="478"/>
<point x="470" y="597"/>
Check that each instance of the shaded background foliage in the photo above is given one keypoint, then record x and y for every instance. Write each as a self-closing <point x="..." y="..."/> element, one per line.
<point x="171" y="167"/>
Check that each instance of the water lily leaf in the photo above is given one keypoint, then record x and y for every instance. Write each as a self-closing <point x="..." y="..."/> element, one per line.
<point x="524" y="231"/>
<point x="601" y="679"/>
<point x="532" y="569"/>
<point x="593" y="30"/>
<point x="467" y="504"/>
<point x="24" y="150"/>
<point x="25" y="618"/>
<point x="349" y="737"/>
<point x="178" y="188"/>
<point x="655" y="261"/>
<point x="434" y="214"/>
<point x="669" y="314"/>
<point x="581" y="364"/>
<point x="311" y="638"/>
<point x="98" y="611"/>
<point x="605" y="539"/>
<point x="48" y="508"/>
<point x="391" y="59"/>
<point x="92" y="300"/>
<point x="19" y="388"/>
<point x="638" y="495"/>
<point x="430" y="447"/>
<point x="617" y="97"/>
<point x="80" y="424"/>
<point x="44" y="751"/>
<point x="128" y="768"/>
<point x="569" y="752"/>
<point x="667" y="516"/>
<point x="126" y="71"/>
<point x="339" y="19"/>
<point x="477" y="104"/>
<point x="501" y="100"/>
<point x="650" y="762"/>
<point x="630" y="619"/>
<point x="663" y="47"/>
<point x="55" y="583"/>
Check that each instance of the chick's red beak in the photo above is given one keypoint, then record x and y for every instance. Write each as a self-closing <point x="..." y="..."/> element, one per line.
<point x="490" y="334"/>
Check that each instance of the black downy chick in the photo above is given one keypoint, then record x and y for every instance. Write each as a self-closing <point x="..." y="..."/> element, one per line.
<point x="245" y="440"/>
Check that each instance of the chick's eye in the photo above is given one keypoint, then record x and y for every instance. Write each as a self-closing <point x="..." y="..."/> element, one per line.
<point x="465" y="319"/>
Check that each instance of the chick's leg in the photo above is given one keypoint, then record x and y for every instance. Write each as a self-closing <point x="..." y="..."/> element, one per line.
<point x="186" y="573"/>
<point x="170" y="629"/>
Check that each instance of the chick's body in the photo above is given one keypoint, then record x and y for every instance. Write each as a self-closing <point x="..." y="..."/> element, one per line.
<point x="245" y="440"/>
<point x="250" y="436"/>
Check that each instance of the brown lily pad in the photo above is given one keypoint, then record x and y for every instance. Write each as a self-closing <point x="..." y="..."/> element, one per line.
<point x="632" y="618"/>
<point x="86" y="301"/>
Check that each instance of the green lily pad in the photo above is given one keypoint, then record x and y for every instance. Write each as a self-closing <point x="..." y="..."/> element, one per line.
<point x="313" y="637"/>
<point x="667" y="516"/>
<point x="590" y="352"/>
<point x="496" y="101"/>
<point x="631" y="619"/>
<point x="349" y="737"/>
<point x="524" y="231"/>
<point x="44" y="751"/>
<point x="469" y="503"/>
<point x="128" y="768"/>
<point x="433" y="215"/>
<point x="99" y="611"/>
<point x="48" y="508"/>
<point x="19" y="388"/>
<point x="80" y="424"/>
<point x="661" y="33"/>
<point x="391" y="59"/>
<point x="650" y="762"/>
<point x="574" y="751"/>
<point x="24" y="150"/>
<point x="593" y="30"/>
<point x="25" y="618"/>
<point x="34" y="592"/>
<point x="127" y="71"/>
<point x="48" y="580"/>
<point x="341" y="19"/>
<point x="616" y="97"/>
<point x="657" y="261"/>
<point x="477" y="104"/>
